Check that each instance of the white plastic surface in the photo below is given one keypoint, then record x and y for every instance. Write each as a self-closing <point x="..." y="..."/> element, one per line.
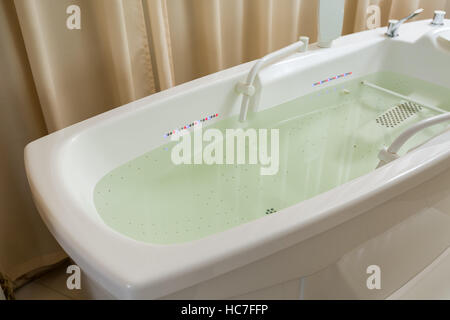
<point x="330" y="22"/>
<point x="433" y="283"/>
<point x="445" y="36"/>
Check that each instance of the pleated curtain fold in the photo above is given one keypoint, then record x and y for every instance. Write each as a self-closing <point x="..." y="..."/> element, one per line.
<point x="52" y="76"/>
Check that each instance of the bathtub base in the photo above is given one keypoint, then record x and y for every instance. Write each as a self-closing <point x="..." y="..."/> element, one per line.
<point x="94" y="291"/>
<point x="402" y="236"/>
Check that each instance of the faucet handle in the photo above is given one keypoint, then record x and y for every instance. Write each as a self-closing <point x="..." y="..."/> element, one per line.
<point x="439" y="17"/>
<point x="392" y="28"/>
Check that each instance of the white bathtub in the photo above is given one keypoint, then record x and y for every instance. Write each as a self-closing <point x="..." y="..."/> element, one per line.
<point x="328" y="239"/>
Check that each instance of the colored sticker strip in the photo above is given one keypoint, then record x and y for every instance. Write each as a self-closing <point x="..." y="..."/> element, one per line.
<point x="332" y="78"/>
<point x="191" y="125"/>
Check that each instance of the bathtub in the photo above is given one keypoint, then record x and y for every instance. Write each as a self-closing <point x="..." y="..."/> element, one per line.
<point x="318" y="248"/>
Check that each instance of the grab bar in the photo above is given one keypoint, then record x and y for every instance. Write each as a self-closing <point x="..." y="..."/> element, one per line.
<point x="374" y="86"/>
<point x="390" y="154"/>
<point x="248" y="88"/>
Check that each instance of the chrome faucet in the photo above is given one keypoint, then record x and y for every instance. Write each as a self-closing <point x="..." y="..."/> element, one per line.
<point x="439" y="17"/>
<point x="394" y="25"/>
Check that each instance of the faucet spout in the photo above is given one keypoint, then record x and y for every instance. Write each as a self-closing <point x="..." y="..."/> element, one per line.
<point x="394" y="25"/>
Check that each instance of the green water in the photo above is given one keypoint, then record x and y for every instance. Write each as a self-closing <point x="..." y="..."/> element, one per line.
<point x="327" y="138"/>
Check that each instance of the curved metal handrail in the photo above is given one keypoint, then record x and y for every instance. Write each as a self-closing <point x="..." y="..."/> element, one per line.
<point x="248" y="88"/>
<point x="390" y="154"/>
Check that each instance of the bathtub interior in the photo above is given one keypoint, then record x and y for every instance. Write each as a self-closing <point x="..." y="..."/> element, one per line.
<point x="327" y="138"/>
<point x="290" y="103"/>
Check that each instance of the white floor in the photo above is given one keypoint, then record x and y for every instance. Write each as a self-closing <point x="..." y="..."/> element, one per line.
<point x="52" y="286"/>
<point x="432" y="283"/>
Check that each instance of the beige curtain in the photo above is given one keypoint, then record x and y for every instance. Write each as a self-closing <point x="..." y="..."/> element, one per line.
<point x="25" y="243"/>
<point x="52" y="77"/>
<point x="210" y="35"/>
<point x="80" y="73"/>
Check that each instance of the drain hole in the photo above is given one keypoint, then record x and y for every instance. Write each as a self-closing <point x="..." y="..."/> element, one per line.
<point x="270" y="211"/>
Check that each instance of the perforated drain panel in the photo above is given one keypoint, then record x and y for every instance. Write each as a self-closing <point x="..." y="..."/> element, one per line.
<point x="395" y="116"/>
